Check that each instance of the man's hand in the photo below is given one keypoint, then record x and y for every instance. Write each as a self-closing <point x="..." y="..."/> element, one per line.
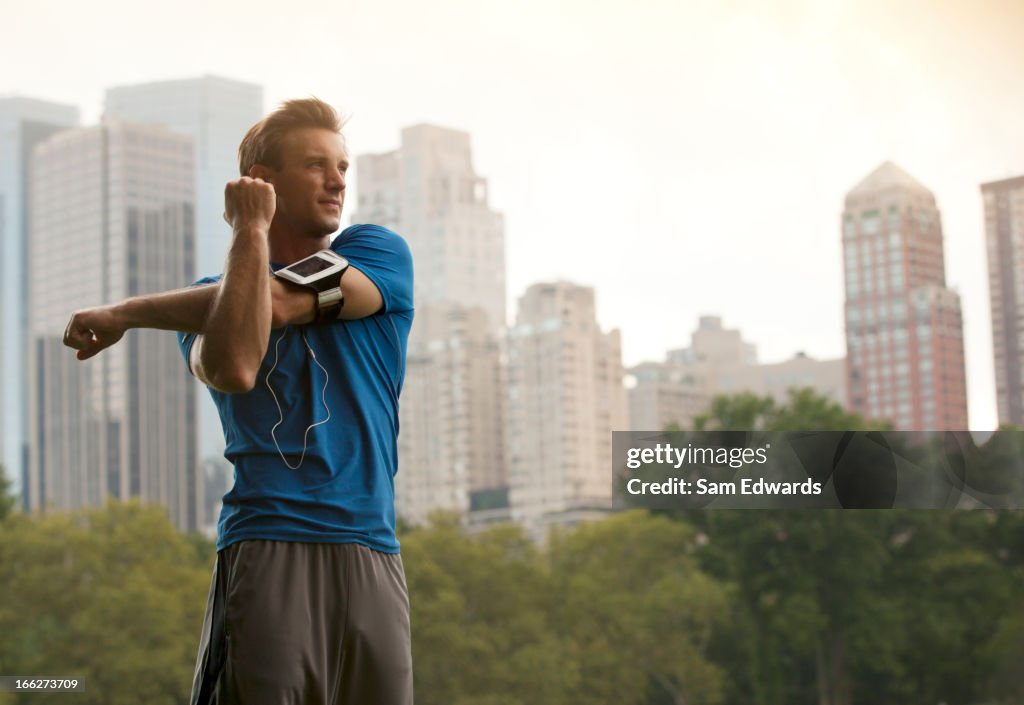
<point x="94" y="329"/>
<point x="249" y="202"/>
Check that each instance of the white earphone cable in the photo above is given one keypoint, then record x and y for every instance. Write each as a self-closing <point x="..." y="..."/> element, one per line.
<point x="280" y="412"/>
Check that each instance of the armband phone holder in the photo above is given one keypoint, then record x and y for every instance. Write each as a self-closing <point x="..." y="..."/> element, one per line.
<point x="321" y="272"/>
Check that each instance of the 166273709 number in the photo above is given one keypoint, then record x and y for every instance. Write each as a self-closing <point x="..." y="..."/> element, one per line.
<point x="18" y="684"/>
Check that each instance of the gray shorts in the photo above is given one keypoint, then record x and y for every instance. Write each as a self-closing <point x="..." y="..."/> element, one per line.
<point x="305" y="624"/>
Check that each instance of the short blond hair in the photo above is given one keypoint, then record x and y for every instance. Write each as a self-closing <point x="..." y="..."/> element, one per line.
<point x="262" y="143"/>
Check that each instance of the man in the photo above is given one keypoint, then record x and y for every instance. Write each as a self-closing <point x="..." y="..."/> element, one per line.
<point x="308" y="601"/>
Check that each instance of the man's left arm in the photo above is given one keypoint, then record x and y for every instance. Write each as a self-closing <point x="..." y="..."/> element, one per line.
<point x="380" y="274"/>
<point x="296" y="304"/>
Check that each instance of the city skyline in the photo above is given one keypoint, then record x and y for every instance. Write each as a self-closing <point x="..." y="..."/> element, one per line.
<point x="123" y="425"/>
<point x="451" y="404"/>
<point x="704" y="137"/>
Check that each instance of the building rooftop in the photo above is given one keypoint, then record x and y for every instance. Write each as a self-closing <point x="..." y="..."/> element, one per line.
<point x="886" y="177"/>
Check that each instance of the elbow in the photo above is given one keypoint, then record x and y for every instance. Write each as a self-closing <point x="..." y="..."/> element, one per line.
<point x="234" y="385"/>
<point x="234" y="381"/>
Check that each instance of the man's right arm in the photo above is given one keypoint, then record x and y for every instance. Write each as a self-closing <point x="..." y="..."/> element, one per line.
<point x="92" y="330"/>
<point x="228" y="354"/>
<point x="232" y="319"/>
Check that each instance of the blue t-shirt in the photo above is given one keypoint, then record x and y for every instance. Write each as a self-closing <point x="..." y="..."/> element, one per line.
<point x="344" y="490"/>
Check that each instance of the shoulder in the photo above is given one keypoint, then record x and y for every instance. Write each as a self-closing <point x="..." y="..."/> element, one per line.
<point x="369" y="235"/>
<point x="366" y="230"/>
<point x="384" y="257"/>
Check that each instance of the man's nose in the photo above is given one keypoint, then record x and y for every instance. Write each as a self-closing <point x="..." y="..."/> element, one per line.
<point x="336" y="178"/>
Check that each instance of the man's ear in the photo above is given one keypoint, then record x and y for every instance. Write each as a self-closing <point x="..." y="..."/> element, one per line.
<point x="259" y="171"/>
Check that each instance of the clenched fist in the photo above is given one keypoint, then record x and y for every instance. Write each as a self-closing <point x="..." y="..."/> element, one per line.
<point x="249" y="202"/>
<point x="93" y="329"/>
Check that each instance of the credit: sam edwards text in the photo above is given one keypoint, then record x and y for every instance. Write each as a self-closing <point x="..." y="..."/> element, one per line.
<point x="677" y="485"/>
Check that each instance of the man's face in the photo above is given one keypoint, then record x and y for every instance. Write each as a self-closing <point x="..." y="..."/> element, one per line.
<point x="310" y="184"/>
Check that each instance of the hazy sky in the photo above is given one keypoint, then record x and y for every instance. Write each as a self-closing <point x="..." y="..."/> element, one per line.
<point x="684" y="158"/>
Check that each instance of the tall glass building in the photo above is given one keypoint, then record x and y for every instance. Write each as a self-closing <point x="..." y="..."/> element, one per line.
<point x="216" y="112"/>
<point x="107" y="225"/>
<point x="24" y="122"/>
<point x="1004" y="238"/>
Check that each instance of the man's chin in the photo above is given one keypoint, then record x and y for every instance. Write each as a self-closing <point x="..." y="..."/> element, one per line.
<point x="328" y="227"/>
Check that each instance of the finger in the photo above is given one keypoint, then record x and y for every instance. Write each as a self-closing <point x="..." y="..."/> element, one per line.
<point x="77" y="339"/>
<point x="71" y="329"/>
<point x="91" y="349"/>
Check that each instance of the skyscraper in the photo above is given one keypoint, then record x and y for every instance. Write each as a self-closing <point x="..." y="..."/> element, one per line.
<point x="904" y="331"/>
<point x="451" y="440"/>
<point x="216" y="112"/>
<point x="24" y="122"/>
<point x="428" y="191"/>
<point x="1004" y="236"/>
<point x="565" y="397"/>
<point x="451" y="447"/>
<point x="112" y="217"/>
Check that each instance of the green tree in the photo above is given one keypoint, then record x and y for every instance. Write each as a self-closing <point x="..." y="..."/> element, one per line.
<point x="804" y="410"/>
<point x="614" y="611"/>
<point x="739" y="412"/>
<point x="481" y="619"/>
<point x="114" y="596"/>
<point x="640" y="613"/>
<point x="813" y="585"/>
<point x="854" y="606"/>
<point x="8" y="501"/>
<point x="955" y="594"/>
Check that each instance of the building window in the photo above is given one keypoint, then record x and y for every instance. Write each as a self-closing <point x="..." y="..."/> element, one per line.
<point x="869" y="222"/>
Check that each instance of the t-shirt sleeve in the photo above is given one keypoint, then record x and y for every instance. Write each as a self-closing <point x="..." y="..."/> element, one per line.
<point x="185" y="340"/>
<point x="384" y="257"/>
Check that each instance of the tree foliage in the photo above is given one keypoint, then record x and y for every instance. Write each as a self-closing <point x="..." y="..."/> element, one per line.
<point x="8" y="501"/>
<point x="704" y="608"/>
<point x="847" y="606"/>
<point x="113" y="596"/>
<point x="804" y="410"/>
<point x="639" y="611"/>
